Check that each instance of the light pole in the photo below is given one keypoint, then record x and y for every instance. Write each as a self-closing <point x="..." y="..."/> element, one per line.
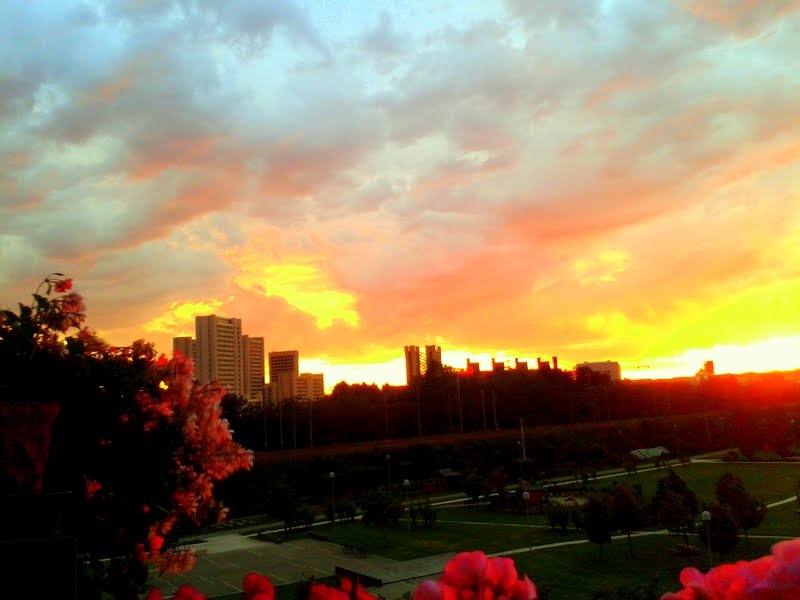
<point x="389" y="472"/>
<point x="706" y="518"/>
<point x="406" y="483"/>
<point x="525" y="497"/>
<point x="332" y="477"/>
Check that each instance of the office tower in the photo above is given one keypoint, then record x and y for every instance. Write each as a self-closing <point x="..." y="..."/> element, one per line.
<point x="284" y="369"/>
<point x="253" y="365"/>
<point x="412" y="364"/>
<point x="311" y="386"/>
<point x="219" y="352"/>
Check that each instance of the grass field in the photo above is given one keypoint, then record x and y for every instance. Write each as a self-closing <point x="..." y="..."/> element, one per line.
<point x="575" y="572"/>
<point x="770" y="482"/>
<point x="404" y="544"/>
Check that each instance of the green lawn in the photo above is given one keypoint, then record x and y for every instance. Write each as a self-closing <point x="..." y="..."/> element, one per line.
<point x="481" y="513"/>
<point x="769" y="482"/>
<point x="574" y="572"/>
<point x="403" y="544"/>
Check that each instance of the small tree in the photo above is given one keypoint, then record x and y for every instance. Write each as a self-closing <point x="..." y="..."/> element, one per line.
<point x="722" y="529"/>
<point x="557" y="515"/>
<point x="674" y="514"/>
<point x="674" y="504"/>
<point x="627" y="513"/>
<point x="748" y="511"/>
<point x="597" y="521"/>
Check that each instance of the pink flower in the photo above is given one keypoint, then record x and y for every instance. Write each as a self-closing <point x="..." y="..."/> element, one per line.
<point x="319" y="591"/>
<point x="187" y="592"/>
<point x="775" y="577"/>
<point x="428" y="590"/>
<point x="92" y="487"/>
<point x="62" y="285"/>
<point x="346" y="585"/>
<point x="472" y="575"/>
<point x="258" y="587"/>
<point x="154" y="594"/>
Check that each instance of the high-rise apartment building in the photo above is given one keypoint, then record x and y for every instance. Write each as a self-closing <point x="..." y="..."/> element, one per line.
<point x="284" y="369"/>
<point x="412" y="363"/>
<point x="417" y="365"/>
<point x="218" y="352"/>
<point x="311" y="386"/>
<point x="433" y="358"/>
<point x="253" y="367"/>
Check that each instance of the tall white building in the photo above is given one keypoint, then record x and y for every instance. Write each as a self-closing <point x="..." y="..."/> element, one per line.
<point x="311" y="386"/>
<point x="284" y="370"/>
<point x="253" y="367"/>
<point x="218" y="349"/>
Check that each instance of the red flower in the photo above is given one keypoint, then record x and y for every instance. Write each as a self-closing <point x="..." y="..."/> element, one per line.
<point x="474" y="576"/>
<point x="62" y="285"/>
<point x="323" y="592"/>
<point x="154" y="594"/>
<point x="258" y="587"/>
<point x="346" y="584"/>
<point x="187" y="592"/>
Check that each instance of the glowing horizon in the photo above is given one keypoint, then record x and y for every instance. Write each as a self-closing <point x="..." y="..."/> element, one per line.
<point x="595" y="181"/>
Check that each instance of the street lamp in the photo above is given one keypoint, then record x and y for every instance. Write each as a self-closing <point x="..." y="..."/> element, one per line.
<point x="389" y="472"/>
<point x="332" y="477"/>
<point x="525" y="497"/>
<point x="705" y="516"/>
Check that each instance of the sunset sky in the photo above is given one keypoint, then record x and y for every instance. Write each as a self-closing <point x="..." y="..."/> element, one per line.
<point x="593" y="180"/>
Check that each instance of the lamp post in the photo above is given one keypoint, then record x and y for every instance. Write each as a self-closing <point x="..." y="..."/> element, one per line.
<point x="705" y="516"/>
<point x="389" y="472"/>
<point x="406" y="483"/>
<point x="525" y="497"/>
<point x="332" y="477"/>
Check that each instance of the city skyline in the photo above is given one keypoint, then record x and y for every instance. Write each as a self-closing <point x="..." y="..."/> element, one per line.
<point x="589" y="180"/>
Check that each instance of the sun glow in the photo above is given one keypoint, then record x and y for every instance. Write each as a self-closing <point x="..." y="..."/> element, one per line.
<point x="773" y="354"/>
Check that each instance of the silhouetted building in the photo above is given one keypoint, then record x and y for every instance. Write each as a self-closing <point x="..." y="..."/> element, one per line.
<point x="253" y="365"/>
<point x="473" y="367"/>
<point x="498" y="366"/>
<point x="555" y="363"/>
<point x="520" y="365"/>
<point x="284" y="369"/>
<point x="413" y="370"/>
<point x="542" y="365"/>
<point x="433" y="359"/>
<point x="311" y="386"/>
<point x="612" y="369"/>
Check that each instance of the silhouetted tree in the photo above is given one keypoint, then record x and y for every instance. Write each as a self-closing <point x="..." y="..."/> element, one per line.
<point x="627" y="513"/>
<point x="674" y="504"/>
<point x="597" y="521"/>
<point x="722" y="529"/>
<point x="748" y="511"/>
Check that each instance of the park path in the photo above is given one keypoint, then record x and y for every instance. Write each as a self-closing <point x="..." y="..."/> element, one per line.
<point x="226" y="558"/>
